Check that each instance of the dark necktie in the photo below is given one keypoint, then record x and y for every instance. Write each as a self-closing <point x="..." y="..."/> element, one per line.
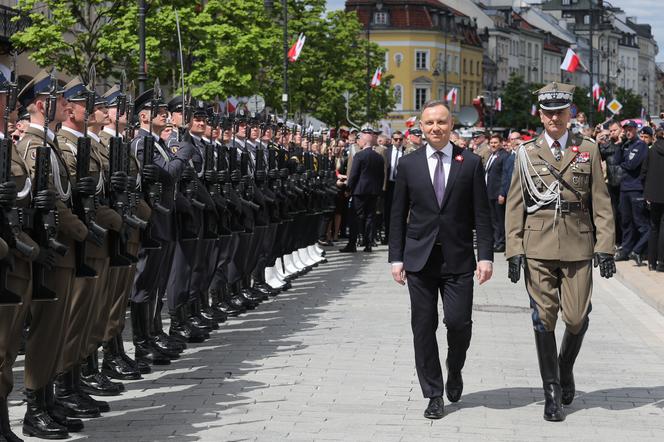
<point x="439" y="178"/>
<point x="557" y="153"/>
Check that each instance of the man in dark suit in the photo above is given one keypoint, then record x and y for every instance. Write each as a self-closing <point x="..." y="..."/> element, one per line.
<point x="495" y="171"/>
<point x="394" y="154"/>
<point x="439" y="198"/>
<point x="365" y="184"/>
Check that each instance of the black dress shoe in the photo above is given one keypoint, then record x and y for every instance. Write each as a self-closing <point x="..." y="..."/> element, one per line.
<point x="368" y="249"/>
<point x="636" y="258"/>
<point x="652" y="267"/>
<point x="454" y="386"/>
<point x="348" y="250"/>
<point x="660" y="267"/>
<point x="499" y="249"/>
<point x="435" y="410"/>
<point x="621" y="256"/>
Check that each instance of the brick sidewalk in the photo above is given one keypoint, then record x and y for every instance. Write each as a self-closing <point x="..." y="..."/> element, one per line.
<point x="332" y="359"/>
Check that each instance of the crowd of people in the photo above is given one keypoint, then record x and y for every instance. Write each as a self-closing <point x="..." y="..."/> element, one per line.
<point x="632" y="160"/>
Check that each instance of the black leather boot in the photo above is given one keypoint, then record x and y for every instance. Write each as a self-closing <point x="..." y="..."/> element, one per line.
<point x="114" y="366"/>
<point x="69" y="401"/>
<point x="145" y="349"/>
<point x="547" y="356"/>
<point x="208" y="310"/>
<point x="94" y="382"/>
<point x="169" y="346"/>
<point x="249" y="300"/>
<point x="37" y="421"/>
<point x="181" y="327"/>
<point x="256" y="293"/>
<point x="569" y="350"/>
<point x="196" y="319"/>
<point x="6" y="433"/>
<point x="219" y="314"/>
<point x="58" y="414"/>
<point x="233" y="306"/>
<point x="103" y="406"/>
<point x="141" y="367"/>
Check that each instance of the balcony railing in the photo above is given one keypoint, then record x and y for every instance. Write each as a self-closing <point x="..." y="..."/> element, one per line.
<point x="9" y="27"/>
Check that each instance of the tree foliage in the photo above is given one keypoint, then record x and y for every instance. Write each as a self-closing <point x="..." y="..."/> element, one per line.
<point x="518" y="99"/>
<point x="230" y="48"/>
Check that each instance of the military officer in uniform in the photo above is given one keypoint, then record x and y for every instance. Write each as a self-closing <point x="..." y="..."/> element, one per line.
<point x="558" y="221"/>
<point x="414" y="140"/>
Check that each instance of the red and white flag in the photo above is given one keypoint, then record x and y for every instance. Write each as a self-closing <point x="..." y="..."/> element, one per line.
<point x="597" y="91"/>
<point x="411" y="122"/>
<point x="231" y="104"/>
<point x="533" y="110"/>
<point x="499" y="104"/>
<point x="452" y="96"/>
<point x="601" y="104"/>
<point x="571" y="61"/>
<point x="296" y="49"/>
<point x="375" y="81"/>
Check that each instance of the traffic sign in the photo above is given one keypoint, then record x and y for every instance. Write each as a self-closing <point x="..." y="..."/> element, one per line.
<point x="614" y="106"/>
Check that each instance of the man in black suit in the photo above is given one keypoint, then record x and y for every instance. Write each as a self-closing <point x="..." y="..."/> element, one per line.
<point x="439" y="198"/>
<point x="394" y="154"/>
<point x="495" y="171"/>
<point x="365" y="184"/>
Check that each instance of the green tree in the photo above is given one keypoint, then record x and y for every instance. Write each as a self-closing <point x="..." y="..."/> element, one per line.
<point x="518" y="99"/>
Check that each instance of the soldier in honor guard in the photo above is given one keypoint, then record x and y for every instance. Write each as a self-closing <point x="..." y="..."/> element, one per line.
<point x="558" y="221"/>
<point x="15" y="261"/>
<point x="55" y="275"/>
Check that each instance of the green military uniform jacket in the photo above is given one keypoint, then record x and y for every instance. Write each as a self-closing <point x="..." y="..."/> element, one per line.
<point x="548" y="234"/>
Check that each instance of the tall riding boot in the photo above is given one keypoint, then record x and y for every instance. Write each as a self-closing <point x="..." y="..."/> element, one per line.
<point x="197" y="319"/>
<point x="113" y="365"/>
<point x="168" y="346"/>
<point x="569" y="350"/>
<point x="103" y="406"/>
<point x="144" y="349"/>
<point x="181" y="327"/>
<point x="37" y="421"/>
<point x="547" y="356"/>
<point x="94" y="382"/>
<point x="141" y="367"/>
<point x="6" y="433"/>
<point x="68" y="399"/>
<point x="58" y="414"/>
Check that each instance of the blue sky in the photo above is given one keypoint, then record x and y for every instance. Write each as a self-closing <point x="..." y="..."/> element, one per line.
<point x="646" y="11"/>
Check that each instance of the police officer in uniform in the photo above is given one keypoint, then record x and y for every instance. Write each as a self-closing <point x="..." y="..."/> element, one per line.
<point x="558" y="221"/>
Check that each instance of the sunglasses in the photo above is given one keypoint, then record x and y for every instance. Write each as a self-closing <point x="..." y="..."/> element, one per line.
<point x="397" y="138"/>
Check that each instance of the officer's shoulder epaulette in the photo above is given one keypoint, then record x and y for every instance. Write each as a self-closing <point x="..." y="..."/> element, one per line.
<point x="589" y="139"/>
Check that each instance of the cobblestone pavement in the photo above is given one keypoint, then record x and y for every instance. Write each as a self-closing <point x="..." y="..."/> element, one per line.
<point x="332" y="359"/>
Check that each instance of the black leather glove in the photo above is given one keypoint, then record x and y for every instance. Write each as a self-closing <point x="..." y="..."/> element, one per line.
<point x="151" y="173"/>
<point x="86" y="186"/>
<point x="223" y="176"/>
<point x="8" y="194"/>
<point x="188" y="174"/>
<point x="273" y="174"/>
<point x="606" y="263"/>
<point x="119" y="181"/>
<point x="514" y="267"/>
<point x="46" y="257"/>
<point x="260" y="176"/>
<point x="211" y="176"/>
<point x="236" y="176"/>
<point x="44" y="200"/>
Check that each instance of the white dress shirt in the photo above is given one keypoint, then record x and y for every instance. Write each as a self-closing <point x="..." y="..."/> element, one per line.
<point x="432" y="160"/>
<point x="562" y="140"/>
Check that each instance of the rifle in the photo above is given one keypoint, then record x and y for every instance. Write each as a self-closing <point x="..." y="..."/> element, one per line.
<point x="152" y="189"/>
<point x="85" y="204"/>
<point x="46" y="222"/>
<point x="10" y="217"/>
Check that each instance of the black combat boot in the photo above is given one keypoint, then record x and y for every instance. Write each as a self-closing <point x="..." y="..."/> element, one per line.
<point x="103" y="406"/>
<point x="249" y="300"/>
<point x="181" y="327"/>
<point x="208" y="310"/>
<point x="215" y="308"/>
<point x="37" y="421"/>
<point x="114" y="366"/>
<point x="141" y="367"/>
<point x="547" y="356"/>
<point x="198" y="317"/>
<point x="256" y="293"/>
<point x="569" y="350"/>
<point x="6" y="433"/>
<point x="69" y="401"/>
<point x="234" y="300"/>
<point x="94" y="382"/>
<point x="58" y="413"/>
<point x="168" y="345"/>
<point x="145" y="349"/>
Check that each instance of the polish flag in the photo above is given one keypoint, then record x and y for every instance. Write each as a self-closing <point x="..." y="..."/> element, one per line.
<point x="533" y="110"/>
<point x="375" y="81"/>
<point x="231" y="104"/>
<point x="571" y="61"/>
<point x="597" y="91"/>
<point x="296" y="49"/>
<point x="411" y="122"/>
<point x="601" y="104"/>
<point x="452" y="96"/>
<point x="499" y="104"/>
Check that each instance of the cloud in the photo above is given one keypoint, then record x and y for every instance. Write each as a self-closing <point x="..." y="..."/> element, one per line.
<point x="335" y="4"/>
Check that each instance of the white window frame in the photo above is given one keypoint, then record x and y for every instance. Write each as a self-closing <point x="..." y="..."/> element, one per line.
<point x="398" y="105"/>
<point x="427" y="95"/>
<point x="427" y="61"/>
<point x="381" y="18"/>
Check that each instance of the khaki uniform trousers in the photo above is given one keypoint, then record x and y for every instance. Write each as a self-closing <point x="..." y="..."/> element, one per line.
<point x="12" y="318"/>
<point x="555" y="286"/>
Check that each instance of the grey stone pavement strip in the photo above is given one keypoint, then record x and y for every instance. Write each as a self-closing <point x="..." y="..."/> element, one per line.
<point x="332" y="359"/>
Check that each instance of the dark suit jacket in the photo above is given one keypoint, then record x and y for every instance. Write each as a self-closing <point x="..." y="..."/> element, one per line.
<point x="389" y="159"/>
<point x="368" y="173"/>
<point x="508" y="170"/>
<point x="494" y="174"/>
<point x="417" y="222"/>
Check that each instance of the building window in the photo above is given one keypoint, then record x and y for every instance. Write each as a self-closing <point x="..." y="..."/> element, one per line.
<point x="477" y="65"/>
<point x="586" y="19"/>
<point x="465" y="71"/>
<point x="398" y="96"/>
<point x="422" y="60"/>
<point x="471" y="67"/>
<point x="566" y="2"/>
<point x="380" y="18"/>
<point x="421" y="97"/>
